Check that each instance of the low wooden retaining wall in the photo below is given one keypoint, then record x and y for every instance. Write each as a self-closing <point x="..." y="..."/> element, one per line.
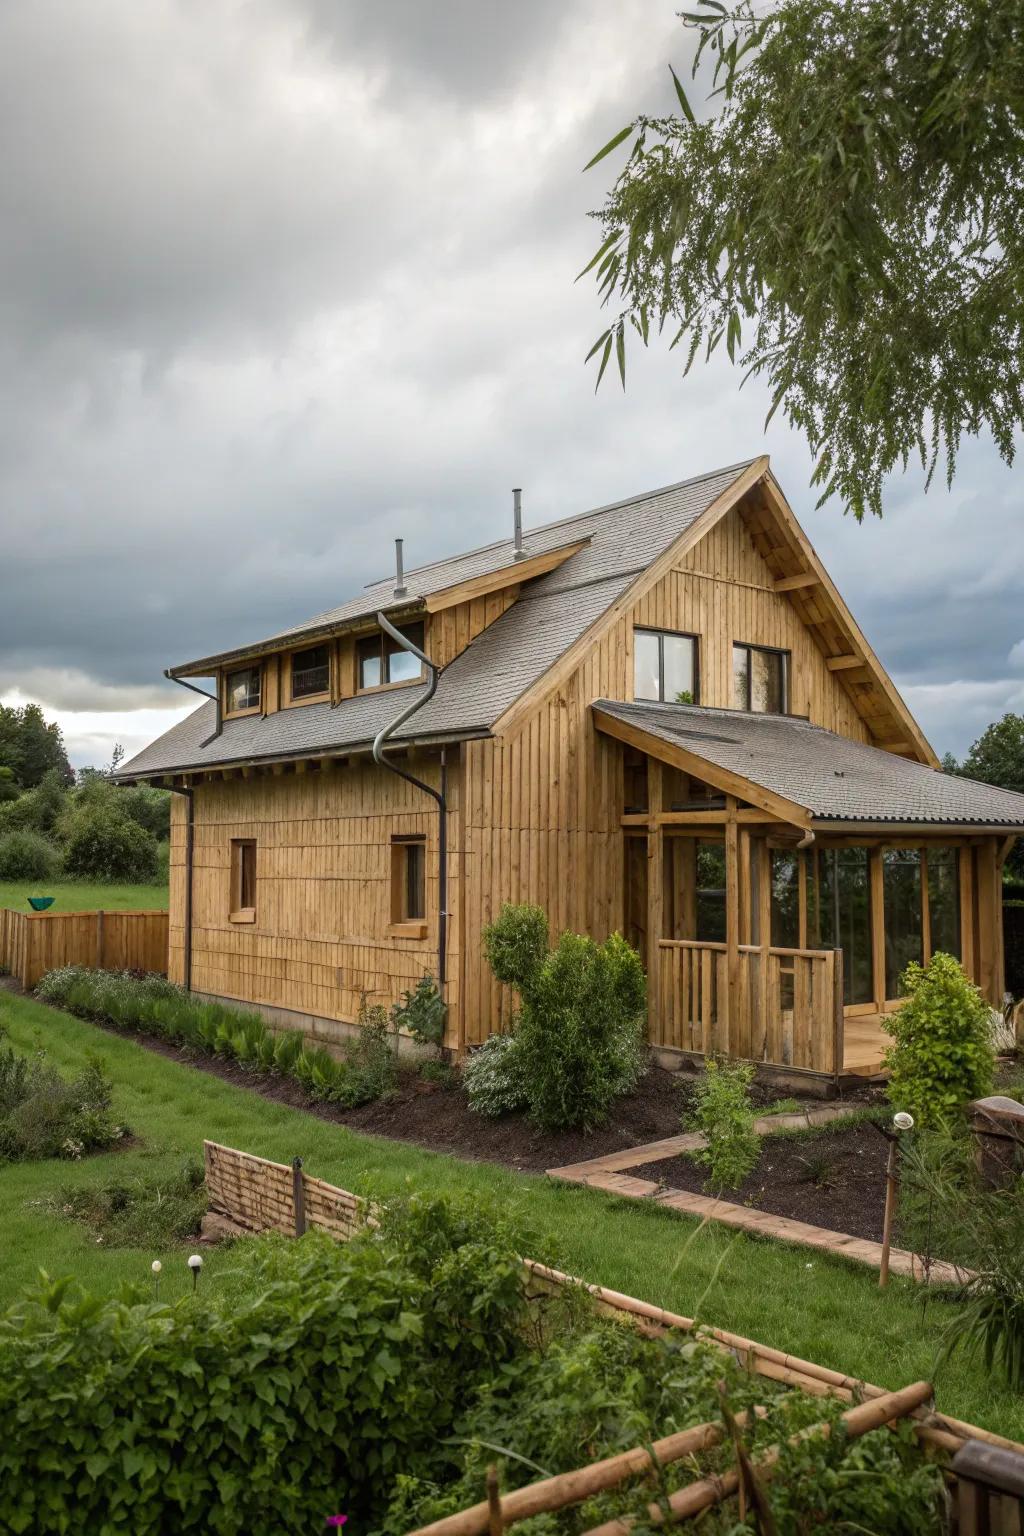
<point x="32" y="943"/>
<point x="261" y="1196"/>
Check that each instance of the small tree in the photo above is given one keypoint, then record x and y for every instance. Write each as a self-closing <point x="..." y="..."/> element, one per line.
<point x="724" y="1115"/>
<point x="942" y="1056"/>
<point x="27" y="855"/>
<point x="516" y="946"/>
<point x="102" y="845"/>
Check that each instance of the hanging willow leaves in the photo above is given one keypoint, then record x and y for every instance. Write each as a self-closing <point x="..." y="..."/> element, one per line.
<point x="848" y="218"/>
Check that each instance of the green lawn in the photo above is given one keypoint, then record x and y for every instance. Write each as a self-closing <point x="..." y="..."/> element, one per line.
<point x="818" y="1308"/>
<point x="76" y="896"/>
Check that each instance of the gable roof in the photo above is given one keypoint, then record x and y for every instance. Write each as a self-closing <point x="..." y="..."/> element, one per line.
<point x="554" y="612"/>
<point x="829" y="777"/>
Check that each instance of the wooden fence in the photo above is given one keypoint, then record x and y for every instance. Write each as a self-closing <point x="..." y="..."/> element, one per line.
<point x="262" y="1196"/>
<point x="786" y="1006"/>
<point x="32" y="943"/>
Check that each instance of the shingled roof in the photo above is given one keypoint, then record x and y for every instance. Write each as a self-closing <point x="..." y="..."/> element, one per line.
<point x="552" y="612"/>
<point x="829" y="776"/>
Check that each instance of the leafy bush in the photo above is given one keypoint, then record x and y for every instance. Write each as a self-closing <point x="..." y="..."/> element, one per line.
<point x="152" y="1004"/>
<point x="723" y="1113"/>
<point x="422" y="1012"/>
<point x="101" y="844"/>
<point x="942" y="1056"/>
<point x="140" y="1213"/>
<point x="578" y="1040"/>
<point x="41" y="1115"/>
<point x="27" y="855"/>
<point x="493" y="1078"/>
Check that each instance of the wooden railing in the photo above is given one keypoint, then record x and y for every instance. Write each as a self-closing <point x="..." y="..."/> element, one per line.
<point x="783" y="1006"/>
<point x="32" y="943"/>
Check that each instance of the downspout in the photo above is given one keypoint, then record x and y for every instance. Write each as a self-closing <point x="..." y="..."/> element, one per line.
<point x="183" y="683"/>
<point x="380" y="740"/>
<point x="190" y="829"/>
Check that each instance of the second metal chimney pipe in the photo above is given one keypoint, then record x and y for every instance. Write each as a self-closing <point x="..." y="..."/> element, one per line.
<point x="400" y="587"/>
<point x="517" y="516"/>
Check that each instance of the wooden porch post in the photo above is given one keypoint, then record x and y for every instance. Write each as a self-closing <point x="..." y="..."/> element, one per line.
<point x="732" y="928"/>
<point x="655" y="898"/>
<point x="990" y="923"/>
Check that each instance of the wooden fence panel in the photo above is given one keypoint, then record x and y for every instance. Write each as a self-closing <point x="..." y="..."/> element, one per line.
<point x="259" y="1195"/>
<point x="32" y="943"/>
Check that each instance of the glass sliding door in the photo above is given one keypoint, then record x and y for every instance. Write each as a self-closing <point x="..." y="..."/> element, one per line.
<point x="695" y="889"/>
<point x="843" y="913"/>
<point x="904" y="922"/>
<point x="943" y="886"/>
<point x="785" y="876"/>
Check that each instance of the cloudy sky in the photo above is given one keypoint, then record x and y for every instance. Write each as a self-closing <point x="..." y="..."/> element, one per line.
<point x="282" y="279"/>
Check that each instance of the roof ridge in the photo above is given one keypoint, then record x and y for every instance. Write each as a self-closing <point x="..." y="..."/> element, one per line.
<point x="563" y="522"/>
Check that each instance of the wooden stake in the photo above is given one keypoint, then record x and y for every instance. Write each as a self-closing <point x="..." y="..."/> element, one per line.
<point x="298" y="1196"/>
<point x="890" y="1205"/>
<point x="495" y="1524"/>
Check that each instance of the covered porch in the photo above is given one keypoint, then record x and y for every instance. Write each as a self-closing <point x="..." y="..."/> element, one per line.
<point x="779" y="879"/>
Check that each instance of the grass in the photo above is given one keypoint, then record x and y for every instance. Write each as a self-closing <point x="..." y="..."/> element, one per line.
<point x="79" y="896"/>
<point x="822" y="1309"/>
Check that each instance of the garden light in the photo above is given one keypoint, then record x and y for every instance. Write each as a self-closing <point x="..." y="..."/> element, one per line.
<point x="156" y="1267"/>
<point x="902" y="1121"/>
<point x="195" y="1264"/>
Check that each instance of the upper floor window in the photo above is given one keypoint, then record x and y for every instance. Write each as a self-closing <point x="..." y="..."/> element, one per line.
<point x="311" y="672"/>
<point x="382" y="660"/>
<point x="760" y="680"/>
<point x="664" y="666"/>
<point x="243" y="689"/>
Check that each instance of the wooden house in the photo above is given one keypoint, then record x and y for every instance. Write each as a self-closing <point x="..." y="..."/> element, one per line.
<point x="658" y="717"/>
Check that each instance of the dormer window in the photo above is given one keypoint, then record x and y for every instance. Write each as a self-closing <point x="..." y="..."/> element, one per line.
<point x="382" y="660"/>
<point x="760" y="680"/>
<point x="311" y="672"/>
<point x="664" y="666"/>
<point x="243" y="690"/>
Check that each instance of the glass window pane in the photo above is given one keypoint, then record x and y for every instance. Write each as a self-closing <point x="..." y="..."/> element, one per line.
<point x="766" y="689"/>
<point x="402" y="666"/>
<point x="415" y="871"/>
<point x="310" y="672"/>
<point x="711" y="892"/>
<point x="646" y="665"/>
<point x="243" y="689"/>
<point x="785" y="876"/>
<point x="370" y="665"/>
<point x="740" y="665"/>
<point x="901" y="876"/>
<point x="944" y="900"/>
<point x="844" y="917"/>
<point x="679" y="669"/>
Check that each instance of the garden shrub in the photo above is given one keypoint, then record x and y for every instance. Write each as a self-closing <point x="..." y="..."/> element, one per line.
<point x="721" y="1110"/>
<point x="42" y="1115"/>
<point x="942" y="1056"/>
<point x="493" y="1079"/>
<point x="104" y="844"/>
<point x="27" y="855"/>
<point x="422" y="1012"/>
<point x="142" y="1212"/>
<point x="578" y="1039"/>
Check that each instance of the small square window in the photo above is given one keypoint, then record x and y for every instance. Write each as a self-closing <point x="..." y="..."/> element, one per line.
<point x="408" y="880"/>
<point x="311" y="672"/>
<point x="243" y="689"/>
<point x="664" y="666"/>
<point x="760" y="680"/>
<point x="243" y="880"/>
<point x="383" y="660"/>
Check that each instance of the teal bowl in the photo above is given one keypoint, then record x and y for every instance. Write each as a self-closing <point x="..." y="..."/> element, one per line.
<point x="40" y="903"/>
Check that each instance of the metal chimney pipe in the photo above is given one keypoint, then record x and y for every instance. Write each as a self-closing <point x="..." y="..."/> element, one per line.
<point x="400" y="587"/>
<point x="517" y="517"/>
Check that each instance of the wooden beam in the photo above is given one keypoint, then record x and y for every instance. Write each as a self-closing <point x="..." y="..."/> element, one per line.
<point x="793" y="583"/>
<point x="899" y="744"/>
<point x="506" y="576"/>
<point x="691" y="762"/>
<point x="732" y="922"/>
<point x="655" y="899"/>
<point x="841" y="663"/>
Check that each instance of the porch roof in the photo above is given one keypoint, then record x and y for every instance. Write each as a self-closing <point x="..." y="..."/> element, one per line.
<point x="829" y="777"/>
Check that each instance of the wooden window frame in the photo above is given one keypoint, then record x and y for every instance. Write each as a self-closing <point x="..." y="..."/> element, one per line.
<point x="402" y="924"/>
<point x="787" y="673"/>
<point x="323" y="694"/>
<point x="238" y="910"/>
<point x="382" y="638"/>
<point x="675" y="634"/>
<point x="250" y="709"/>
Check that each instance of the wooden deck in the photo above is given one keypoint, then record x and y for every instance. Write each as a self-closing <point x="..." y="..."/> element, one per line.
<point x="864" y="1042"/>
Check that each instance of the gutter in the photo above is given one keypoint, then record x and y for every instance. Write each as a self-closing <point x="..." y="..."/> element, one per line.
<point x="380" y="740"/>
<point x="203" y="694"/>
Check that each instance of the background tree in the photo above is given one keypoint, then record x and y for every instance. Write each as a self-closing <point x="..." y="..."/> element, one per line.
<point x="997" y="757"/>
<point x="849" y="223"/>
<point x="31" y="746"/>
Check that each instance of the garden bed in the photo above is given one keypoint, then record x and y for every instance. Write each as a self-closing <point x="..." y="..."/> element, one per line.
<point x="833" y="1178"/>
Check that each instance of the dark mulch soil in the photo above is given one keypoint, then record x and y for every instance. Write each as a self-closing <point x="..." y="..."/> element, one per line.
<point x="830" y="1178"/>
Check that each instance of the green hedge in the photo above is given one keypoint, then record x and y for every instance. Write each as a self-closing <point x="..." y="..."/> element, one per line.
<point x="158" y="1007"/>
